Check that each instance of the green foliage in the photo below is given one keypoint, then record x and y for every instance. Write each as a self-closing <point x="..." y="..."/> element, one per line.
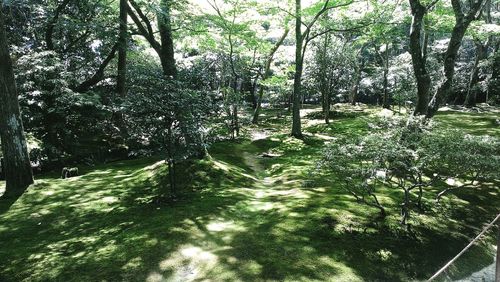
<point x="409" y="155"/>
<point x="165" y="116"/>
<point x="72" y="126"/>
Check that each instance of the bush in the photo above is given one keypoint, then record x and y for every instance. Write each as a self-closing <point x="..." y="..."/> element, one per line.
<point x="71" y="126"/>
<point x="410" y="156"/>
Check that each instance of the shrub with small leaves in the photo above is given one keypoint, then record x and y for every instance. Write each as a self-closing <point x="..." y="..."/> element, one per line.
<point x="410" y="155"/>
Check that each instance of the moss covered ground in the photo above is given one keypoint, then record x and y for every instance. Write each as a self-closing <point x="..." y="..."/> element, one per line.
<point x="254" y="211"/>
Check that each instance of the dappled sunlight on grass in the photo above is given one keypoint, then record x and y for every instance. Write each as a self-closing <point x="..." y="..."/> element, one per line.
<point x="254" y="211"/>
<point x="473" y="123"/>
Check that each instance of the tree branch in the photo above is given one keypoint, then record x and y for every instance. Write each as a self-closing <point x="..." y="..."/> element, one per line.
<point x="99" y="75"/>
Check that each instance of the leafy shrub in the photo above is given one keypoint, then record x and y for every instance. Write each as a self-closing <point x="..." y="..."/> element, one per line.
<point x="409" y="155"/>
<point x="167" y="117"/>
<point x="72" y="126"/>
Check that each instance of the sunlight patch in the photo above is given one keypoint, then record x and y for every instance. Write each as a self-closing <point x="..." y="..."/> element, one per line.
<point x="221" y="165"/>
<point x="132" y="264"/>
<point x="155" y="165"/>
<point x="48" y="193"/>
<point x="189" y="263"/>
<point x="155" y="277"/>
<point x="219" y="226"/>
<point x="262" y="206"/>
<point x="453" y="182"/>
<point x="110" y="199"/>
<point x="224" y="225"/>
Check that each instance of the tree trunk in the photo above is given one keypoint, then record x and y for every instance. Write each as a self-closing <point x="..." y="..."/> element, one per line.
<point x="386" y="103"/>
<point x="418" y="57"/>
<point x="171" y="178"/>
<point x="18" y="172"/>
<point x="450" y="57"/>
<point x="167" y="44"/>
<point x="267" y="70"/>
<point x="327" y="107"/>
<point x="297" y="83"/>
<point x="494" y="82"/>
<point x="444" y="89"/>
<point x="49" y="32"/>
<point x="405" y="212"/>
<point x="470" y="100"/>
<point x="355" y="87"/>
<point x="121" y="86"/>
<point x="325" y="81"/>
<point x="253" y="91"/>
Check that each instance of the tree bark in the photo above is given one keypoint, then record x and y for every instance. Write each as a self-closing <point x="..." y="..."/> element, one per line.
<point x="450" y="57"/>
<point x="297" y="83"/>
<point x="165" y="48"/>
<point x="18" y="172"/>
<point x="49" y="31"/>
<point x="418" y="57"/>
<point x="265" y="75"/>
<point x="167" y="43"/>
<point x="470" y="100"/>
<point x="386" y="103"/>
<point x="99" y="75"/>
<point x="327" y="87"/>
<point x="481" y="54"/>
<point x="355" y="86"/>
<point x="121" y="84"/>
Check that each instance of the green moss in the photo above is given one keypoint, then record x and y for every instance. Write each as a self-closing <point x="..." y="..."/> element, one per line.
<point x="254" y="211"/>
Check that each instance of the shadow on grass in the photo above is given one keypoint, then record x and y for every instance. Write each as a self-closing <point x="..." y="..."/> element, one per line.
<point x="240" y="217"/>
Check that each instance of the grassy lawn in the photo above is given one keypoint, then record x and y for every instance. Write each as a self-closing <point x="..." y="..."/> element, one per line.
<point x="241" y="216"/>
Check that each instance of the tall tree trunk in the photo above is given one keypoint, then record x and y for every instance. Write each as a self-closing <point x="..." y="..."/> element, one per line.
<point x="253" y="92"/>
<point x="327" y="107"/>
<point x="297" y="83"/>
<point x="470" y="100"/>
<point x="386" y="103"/>
<point x="18" y="172"/>
<point x="355" y="86"/>
<point x="359" y="66"/>
<point x="265" y="75"/>
<point x="481" y="54"/>
<point x="99" y="74"/>
<point x="121" y="81"/>
<point x="49" y="31"/>
<point x="418" y="57"/>
<point x="444" y="89"/>
<point x="494" y="82"/>
<point x="325" y="88"/>
<point x="121" y="85"/>
<point x="167" y="43"/>
<point x="450" y="57"/>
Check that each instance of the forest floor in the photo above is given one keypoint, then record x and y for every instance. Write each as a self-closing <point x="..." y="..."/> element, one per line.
<point x="254" y="211"/>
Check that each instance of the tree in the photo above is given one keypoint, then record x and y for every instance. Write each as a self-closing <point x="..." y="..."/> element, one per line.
<point x="165" y="47"/>
<point x="18" y="172"/>
<point x="167" y="117"/>
<point x="418" y="51"/>
<point x="266" y="73"/>
<point x="121" y="87"/>
<point x="302" y="40"/>
<point x="425" y="104"/>
<point x="481" y="54"/>
<point x="237" y="50"/>
<point x="462" y="22"/>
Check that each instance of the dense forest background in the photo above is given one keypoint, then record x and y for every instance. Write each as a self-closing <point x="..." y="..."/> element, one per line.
<point x="79" y="96"/>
